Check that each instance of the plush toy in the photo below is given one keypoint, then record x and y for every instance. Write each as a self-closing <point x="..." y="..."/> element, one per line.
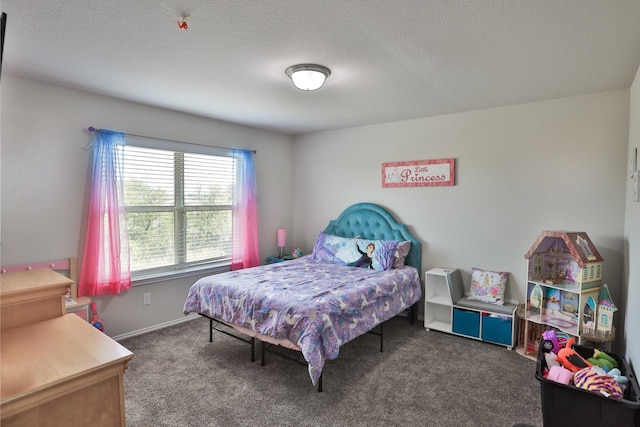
<point x="603" y="363"/>
<point x="596" y="380"/>
<point x="602" y="359"/>
<point x="296" y="252"/>
<point x="570" y="359"/>
<point x="618" y="377"/>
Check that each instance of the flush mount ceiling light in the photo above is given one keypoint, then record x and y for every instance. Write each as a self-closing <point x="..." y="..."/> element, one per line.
<point x="308" y="76"/>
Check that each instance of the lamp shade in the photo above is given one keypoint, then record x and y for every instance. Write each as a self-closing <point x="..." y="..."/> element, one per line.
<point x="282" y="237"/>
<point x="308" y="76"/>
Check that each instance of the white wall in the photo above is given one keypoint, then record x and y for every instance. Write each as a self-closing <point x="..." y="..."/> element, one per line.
<point x="553" y="165"/>
<point x="44" y="175"/>
<point x="632" y="236"/>
<point x="558" y="164"/>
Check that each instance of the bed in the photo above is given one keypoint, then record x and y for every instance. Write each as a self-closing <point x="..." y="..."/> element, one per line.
<point x="317" y="303"/>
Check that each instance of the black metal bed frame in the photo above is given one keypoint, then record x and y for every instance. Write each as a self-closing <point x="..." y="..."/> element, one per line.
<point x="267" y="347"/>
<point x="251" y="340"/>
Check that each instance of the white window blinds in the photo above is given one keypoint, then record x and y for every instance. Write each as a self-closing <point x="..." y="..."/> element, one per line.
<point x="178" y="204"/>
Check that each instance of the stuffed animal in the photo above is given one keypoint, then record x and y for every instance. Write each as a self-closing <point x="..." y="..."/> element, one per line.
<point x="596" y="380"/>
<point x="570" y="359"/>
<point x="618" y="377"/>
<point x="603" y="363"/>
<point x="603" y="360"/>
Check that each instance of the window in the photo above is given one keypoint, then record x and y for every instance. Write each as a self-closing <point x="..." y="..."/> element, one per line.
<point x="178" y="205"/>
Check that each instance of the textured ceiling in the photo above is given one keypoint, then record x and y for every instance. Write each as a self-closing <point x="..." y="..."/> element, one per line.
<point x="390" y="60"/>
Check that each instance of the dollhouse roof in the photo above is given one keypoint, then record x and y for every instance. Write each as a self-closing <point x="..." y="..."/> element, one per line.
<point x="605" y="298"/>
<point x="577" y="243"/>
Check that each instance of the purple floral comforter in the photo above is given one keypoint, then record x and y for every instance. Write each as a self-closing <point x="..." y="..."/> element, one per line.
<point x="316" y="305"/>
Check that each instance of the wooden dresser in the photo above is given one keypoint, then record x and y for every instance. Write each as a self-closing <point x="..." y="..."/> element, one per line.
<point x="56" y="369"/>
<point x="32" y="296"/>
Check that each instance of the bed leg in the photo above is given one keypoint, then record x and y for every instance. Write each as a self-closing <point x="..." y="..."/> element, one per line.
<point x="414" y="313"/>
<point x="210" y="330"/>
<point x="381" y="338"/>
<point x="320" y="383"/>
<point x="253" y="349"/>
<point x="263" y="351"/>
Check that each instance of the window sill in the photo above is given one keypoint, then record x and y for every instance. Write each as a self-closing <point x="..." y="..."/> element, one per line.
<point x="149" y="279"/>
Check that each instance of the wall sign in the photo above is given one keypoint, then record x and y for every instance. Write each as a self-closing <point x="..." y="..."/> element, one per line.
<point x="419" y="173"/>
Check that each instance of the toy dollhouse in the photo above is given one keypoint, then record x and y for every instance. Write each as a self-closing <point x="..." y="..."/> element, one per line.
<point x="602" y="322"/>
<point x="564" y="287"/>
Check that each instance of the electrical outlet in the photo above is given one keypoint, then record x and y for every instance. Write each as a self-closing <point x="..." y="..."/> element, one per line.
<point x="147" y="299"/>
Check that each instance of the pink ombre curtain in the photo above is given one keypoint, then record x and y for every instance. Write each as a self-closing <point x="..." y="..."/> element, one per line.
<point x="105" y="262"/>
<point x="244" y="250"/>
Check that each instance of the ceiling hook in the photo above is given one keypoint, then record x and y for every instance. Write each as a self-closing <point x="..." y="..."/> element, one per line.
<point x="182" y="23"/>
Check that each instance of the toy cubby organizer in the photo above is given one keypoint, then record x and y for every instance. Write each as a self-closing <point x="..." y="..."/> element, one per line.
<point x="565" y="291"/>
<point x="448" y="310"/>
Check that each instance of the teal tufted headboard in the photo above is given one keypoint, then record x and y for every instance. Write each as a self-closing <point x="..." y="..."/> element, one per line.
<point x="371" y="221"/>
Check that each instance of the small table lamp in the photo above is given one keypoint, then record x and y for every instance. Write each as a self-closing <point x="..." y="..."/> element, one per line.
<point x="282" y="240"/>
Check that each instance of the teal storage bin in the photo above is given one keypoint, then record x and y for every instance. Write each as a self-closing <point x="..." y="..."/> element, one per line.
<point x="466" y="322"/>
<point x="497" y="329"/>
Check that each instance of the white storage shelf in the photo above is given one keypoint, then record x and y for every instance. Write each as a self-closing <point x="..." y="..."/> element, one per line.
<point x="442" y="288"/>
<point x="447" y="310"/>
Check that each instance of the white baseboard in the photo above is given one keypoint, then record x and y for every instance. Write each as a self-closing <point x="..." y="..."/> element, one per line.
<point x="187" y="318"/>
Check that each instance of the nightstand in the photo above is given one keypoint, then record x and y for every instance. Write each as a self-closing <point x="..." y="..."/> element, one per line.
<point x="277" y="258"/>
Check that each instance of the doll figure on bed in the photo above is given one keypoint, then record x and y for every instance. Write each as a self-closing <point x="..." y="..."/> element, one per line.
<point x="366" y="259"/>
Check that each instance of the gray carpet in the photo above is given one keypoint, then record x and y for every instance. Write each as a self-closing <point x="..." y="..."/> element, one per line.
<point x="178" y="378"/>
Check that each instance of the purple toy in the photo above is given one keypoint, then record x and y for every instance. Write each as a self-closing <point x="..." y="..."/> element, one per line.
<point x="550" y="341"/>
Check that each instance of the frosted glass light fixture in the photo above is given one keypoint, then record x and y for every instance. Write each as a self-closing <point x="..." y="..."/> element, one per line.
<point x="308" y="76"/>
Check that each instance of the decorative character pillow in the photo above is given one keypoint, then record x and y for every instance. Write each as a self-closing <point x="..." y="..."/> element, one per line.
<point x="375" y="254"/>
<point x="401" y="253"/>
<point x="488" y="286"/>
